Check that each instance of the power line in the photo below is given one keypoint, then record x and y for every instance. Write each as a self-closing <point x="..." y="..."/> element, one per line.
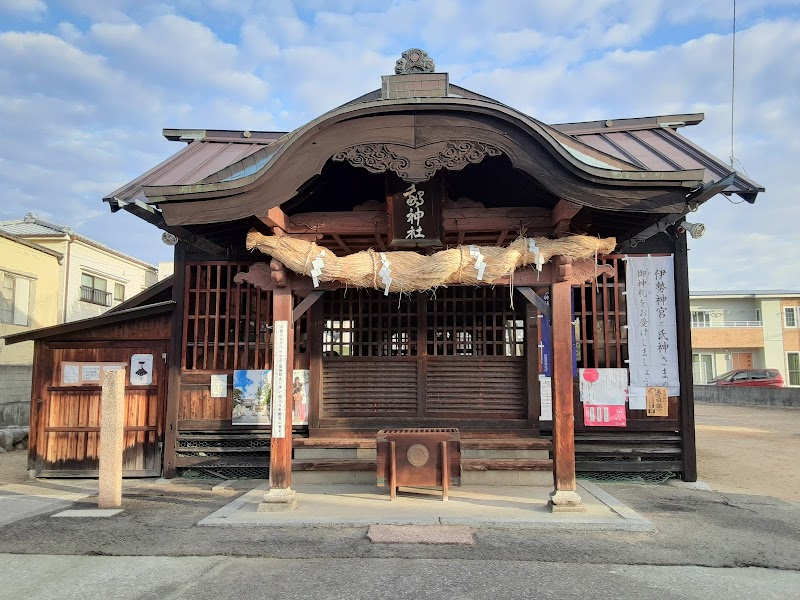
<point x="733" y="80"/>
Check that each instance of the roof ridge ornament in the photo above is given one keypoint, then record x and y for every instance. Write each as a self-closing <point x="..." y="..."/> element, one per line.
<point x="414" y="60"/>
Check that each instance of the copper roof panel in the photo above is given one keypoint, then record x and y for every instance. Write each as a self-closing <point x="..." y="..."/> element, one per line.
<point x="190" y="164"/>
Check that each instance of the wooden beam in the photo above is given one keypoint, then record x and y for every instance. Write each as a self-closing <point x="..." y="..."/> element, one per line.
<point x="562" y="215"/>
<point x="360" y="222"/>
<point x="563" y="412"/>
<point x="276" y="218"/>
<point x="536" y="300"/>
<point x="337" y="238"/>
<point x="371" y="222"/>
<point x="307" y="303"/>
<point x="683" y="322"/>
<point x="280" y="449"/>
<point x="175" y="362"/>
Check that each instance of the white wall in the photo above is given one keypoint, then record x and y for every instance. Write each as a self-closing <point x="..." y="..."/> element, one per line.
<point x="772" y="316"/>
<point x="727" y="309"/>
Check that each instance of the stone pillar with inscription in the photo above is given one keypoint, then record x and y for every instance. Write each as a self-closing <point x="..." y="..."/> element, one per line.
<point x="112" y="439"/>
<point x="281" y="496"/>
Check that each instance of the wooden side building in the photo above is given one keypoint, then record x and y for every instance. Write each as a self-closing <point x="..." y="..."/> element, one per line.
<point x="465" y="356"/>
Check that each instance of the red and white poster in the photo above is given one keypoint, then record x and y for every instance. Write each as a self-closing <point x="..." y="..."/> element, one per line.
<point x="606" y="415"/>
<point x="603" y="386"/>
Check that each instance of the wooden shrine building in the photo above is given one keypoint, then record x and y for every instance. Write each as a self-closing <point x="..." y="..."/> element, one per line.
<point x="419" y="166"/>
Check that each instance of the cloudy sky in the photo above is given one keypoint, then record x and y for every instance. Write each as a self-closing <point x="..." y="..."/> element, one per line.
<point x="86" y="87"/>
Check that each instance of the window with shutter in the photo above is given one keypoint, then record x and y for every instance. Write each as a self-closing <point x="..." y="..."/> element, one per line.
<point x="15" y="299"/>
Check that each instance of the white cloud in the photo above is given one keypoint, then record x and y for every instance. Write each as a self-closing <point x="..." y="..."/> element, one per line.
<point x="33" y="8"/>
<point x="178" y="52"/>
<point x="82" y="103"/>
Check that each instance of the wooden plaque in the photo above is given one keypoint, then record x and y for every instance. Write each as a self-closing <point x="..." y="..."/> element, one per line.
<point x="657" y="402"/>
<point x="415" y="214"/>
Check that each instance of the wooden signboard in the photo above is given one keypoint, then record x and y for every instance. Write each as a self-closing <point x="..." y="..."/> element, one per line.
<point x="657" y="402"/>
<point x="415" y="214"/>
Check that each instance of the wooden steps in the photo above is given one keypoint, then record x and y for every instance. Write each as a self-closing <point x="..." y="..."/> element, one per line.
<point x="467" y="464"/>
<point x="627" y="452"/>
<point x="466" y="444"/>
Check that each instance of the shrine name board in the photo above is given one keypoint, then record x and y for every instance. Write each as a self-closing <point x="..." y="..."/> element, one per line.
<point x="415" y="214"/>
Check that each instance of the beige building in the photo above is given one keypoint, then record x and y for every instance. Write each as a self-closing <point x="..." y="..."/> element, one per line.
<point x="50" y="275"/>
<point x="29" y="276"/>
<point x="93" y="277"/>
<point x="744" y="329"/>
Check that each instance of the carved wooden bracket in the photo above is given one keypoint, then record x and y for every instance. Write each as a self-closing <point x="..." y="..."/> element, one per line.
<point x="585" y="271"/>
<point x="264" y="276"/>
<point x="416" y="164"/>
<point x="259" y="275"/>
<point x="563" y="268"/>
<point x="279" y="274"/>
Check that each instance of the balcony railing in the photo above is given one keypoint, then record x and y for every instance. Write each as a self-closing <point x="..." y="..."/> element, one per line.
<point x="95" y="296"/>
<point x="729" y="324"/>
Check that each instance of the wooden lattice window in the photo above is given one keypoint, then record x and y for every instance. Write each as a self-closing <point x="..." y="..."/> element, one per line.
<point x="457" y="321"/>
<point x="367" y="323"/>
<point x="601" y="312"/>
<point x="227" y="325"/>
<point x="475" y="321"/>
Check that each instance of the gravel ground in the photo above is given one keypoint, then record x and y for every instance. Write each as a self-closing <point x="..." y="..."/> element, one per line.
<point x="749" y="449"/>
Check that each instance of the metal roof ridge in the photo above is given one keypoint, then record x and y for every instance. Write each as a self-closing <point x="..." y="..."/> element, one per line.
<point x="673" y="121"/>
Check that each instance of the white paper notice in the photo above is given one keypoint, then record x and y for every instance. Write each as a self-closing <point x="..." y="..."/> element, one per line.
<point x="603" y="386"/>
<point x="652" y="330"/>
<point x="71" y="374"/>
<point x="637" y="402"/>
<point x="280" y="348"/>
<point x="546" y="398"/>
<point x="90" y="373"/>
<point x="219" y="386"/>
<point x="141" y="369"/>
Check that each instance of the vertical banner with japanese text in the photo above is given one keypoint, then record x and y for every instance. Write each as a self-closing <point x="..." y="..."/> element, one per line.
<point x="652" y="329"/>
<point x="280" y="359"/>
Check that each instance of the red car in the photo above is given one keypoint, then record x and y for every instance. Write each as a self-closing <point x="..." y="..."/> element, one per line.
<point x="750" y="377"/>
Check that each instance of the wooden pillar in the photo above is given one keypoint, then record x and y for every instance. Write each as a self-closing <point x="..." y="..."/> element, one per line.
<point x="564" y="497"/>
<point x="42" y="377"/>
<point x="684" y="327"/>
<point x="175" y="352"/>
<point x="280" y="496"/>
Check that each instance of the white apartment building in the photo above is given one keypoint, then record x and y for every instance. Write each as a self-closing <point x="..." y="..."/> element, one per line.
<point x="745" y="329"/>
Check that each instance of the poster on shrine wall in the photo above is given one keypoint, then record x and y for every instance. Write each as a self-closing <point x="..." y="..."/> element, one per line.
<point x="300" y="378"/>
<point x="606" y="387"/>
<point x="652" y="328"/>
<point x="415" y="214"/>
<point x="252" y="396"/>
<point x="604" y="415"/>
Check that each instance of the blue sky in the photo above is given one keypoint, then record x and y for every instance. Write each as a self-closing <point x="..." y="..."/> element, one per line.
<point x="86" y="88"/>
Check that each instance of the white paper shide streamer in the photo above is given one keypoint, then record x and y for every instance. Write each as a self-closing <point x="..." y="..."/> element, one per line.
<point x="538" y="259"/>
<point x="385" y="273"/>
<point x="317" y="266"/>
<point x="480" y="261"/>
